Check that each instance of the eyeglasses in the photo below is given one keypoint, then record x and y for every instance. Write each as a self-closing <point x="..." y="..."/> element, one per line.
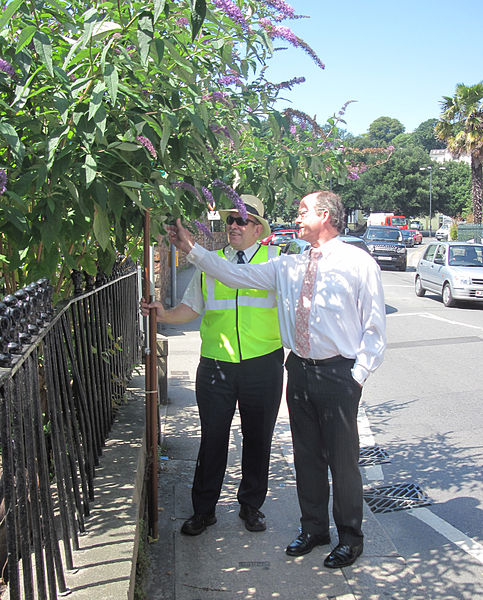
<point x="230" y="219"/>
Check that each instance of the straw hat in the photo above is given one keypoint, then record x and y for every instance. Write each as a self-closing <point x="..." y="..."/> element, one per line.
<point x="255" y="209"/>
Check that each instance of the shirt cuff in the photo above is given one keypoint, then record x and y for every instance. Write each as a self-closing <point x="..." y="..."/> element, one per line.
<point x="195" y="252"/>
<point x="360" y="374"/>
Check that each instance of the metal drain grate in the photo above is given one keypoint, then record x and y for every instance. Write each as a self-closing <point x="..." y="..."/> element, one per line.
<point x="372" y="455"/>
<point x="389" y="498"/>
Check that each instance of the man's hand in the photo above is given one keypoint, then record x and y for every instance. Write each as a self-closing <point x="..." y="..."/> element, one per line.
<point x="180" y="236"/>
<point x="146" y="307"/>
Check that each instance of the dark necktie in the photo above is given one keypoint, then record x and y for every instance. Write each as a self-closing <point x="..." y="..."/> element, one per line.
<point x="240" y="257"/>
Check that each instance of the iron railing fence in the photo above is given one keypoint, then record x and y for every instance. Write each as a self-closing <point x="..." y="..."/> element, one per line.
<point x="57" y="403"/>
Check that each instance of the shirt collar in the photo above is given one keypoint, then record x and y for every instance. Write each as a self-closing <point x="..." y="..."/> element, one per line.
<point x="230" y="252"/>
<point x="328" y="247"/>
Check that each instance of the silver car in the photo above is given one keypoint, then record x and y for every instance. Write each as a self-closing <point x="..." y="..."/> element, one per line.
<point x="452" y="269"/>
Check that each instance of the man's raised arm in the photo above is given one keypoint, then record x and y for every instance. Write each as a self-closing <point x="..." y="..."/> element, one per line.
<point x="260" y="276"/>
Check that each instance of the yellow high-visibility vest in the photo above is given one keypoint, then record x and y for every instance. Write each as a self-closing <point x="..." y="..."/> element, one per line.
<point x="239" y="323"/>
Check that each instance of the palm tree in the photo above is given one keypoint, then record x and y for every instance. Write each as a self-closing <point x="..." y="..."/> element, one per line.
<point x="461" y="127"/>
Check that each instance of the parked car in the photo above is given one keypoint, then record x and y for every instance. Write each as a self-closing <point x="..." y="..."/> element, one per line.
<point x="443" y="232"/>
<point x="414" y="224"/>
<point x="386" y="246"/>
<point x="418" y="236"/>
<point x="280" y="237"/>
<point x="408" y="238"/>
<point x="298" y="246"/>
<point x="452" y="269"/>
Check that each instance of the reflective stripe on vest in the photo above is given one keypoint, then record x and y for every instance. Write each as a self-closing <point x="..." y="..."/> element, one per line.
<point x="239" y="323"/>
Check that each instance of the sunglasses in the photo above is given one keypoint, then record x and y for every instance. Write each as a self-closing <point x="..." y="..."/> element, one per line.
<point x="230" y="219"/>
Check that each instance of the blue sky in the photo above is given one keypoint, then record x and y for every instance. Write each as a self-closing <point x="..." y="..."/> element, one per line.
<point x="396" y="59"/>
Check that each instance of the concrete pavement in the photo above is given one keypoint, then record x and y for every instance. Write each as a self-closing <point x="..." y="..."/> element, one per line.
<point x="227" y="561"/>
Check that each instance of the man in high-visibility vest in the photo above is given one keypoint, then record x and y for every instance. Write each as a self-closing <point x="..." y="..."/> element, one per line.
<point x="241" y="362"/>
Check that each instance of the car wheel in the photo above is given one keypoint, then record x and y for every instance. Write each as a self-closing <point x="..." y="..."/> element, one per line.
<point x="418" y="287"/>
<point x="402" y="267"/>
<point x="448" y="299"/>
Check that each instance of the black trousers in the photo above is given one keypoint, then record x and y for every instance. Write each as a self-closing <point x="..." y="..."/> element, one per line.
<point x="323" y="401"/>
<point x="256" y="384"/>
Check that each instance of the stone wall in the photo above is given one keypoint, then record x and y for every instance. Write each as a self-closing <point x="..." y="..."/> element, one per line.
<point x="162" y="262"/>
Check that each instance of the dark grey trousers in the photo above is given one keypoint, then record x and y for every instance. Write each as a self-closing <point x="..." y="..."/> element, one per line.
<point x="323" y="401"/>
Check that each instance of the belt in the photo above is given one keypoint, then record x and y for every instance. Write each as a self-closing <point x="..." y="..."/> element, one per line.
<point x="319" y="362"/>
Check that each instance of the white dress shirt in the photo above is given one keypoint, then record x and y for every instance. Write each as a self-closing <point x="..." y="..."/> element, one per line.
<point x="193" y="296"/>
<point x="347" y="316"/>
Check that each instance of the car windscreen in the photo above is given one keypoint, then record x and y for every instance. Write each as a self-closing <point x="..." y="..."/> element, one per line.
<point x="383" y="234"/>
<point x="281" y="238"/>
<point x="465" y="256"/>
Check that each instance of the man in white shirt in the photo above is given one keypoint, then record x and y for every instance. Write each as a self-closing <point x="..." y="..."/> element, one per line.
<point x="332" y="317"/>
<point x="241" y="362"/>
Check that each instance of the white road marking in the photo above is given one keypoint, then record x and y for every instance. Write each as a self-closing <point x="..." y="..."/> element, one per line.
<point x="366" y="438"/>
<point x="461" y="540"/>
<point x="435" y="317"/>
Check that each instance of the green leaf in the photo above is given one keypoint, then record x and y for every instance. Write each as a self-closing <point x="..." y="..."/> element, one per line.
<point x="158" y="8"/>
<point x="126" y="146"/>
<point x="96" y="98"/>
<point x="100" y="119"/>
<point x="44" y="49"/>
<point x="131" y="184"/>
<point x="145" y="36"/>
<point x="157" y="50"/>
<point x="53" y="144"/>
<point x="100" y="192"/>
<point x="25" y="37"/>
<point x="198" y="13"/>
<point x="72" y="188"/>
<point x="101" y="227"/>
<point x="62" y="105"/>
<point x="111" y="78"/>
<point x="9" y="133"/>
<point x="90" y="167"/>
<point x="104" y="29"/>
<point x="166" y="133"/>
<point x="8" y="11"/>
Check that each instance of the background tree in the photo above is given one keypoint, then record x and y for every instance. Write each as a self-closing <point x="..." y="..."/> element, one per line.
<point x="461" y="127"/>
<point x="383" y="130"/>
<point x="424" y="136"/>
<point x="394" y="186"/>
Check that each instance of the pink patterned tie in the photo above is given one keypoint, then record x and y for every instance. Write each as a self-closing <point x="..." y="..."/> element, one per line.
<point x="302" y="312"/>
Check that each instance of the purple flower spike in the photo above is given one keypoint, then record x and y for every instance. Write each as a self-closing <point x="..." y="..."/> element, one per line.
<point x="234" y="197"/>
<point x="6" y="67"/>
<point x="233" y="12"/>
<point x="289" y="84"/>
<point x="286" y="11"/>
<point x="148" y="145"/>
<point x="282" y="32"/>
<point x="203" y="228"/>
<point x="3" y="182"/>
<point x="187" y="186"/>
<point x="208" y="196"/>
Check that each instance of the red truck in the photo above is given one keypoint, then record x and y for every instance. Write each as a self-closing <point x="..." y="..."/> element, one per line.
<point x="387" y="219"/>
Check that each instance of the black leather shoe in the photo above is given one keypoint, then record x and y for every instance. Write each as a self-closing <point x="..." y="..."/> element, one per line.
<point x="254" y="519"/>
<point x="197" y="524"/>
<point x="343" y="555"/>
<point x="305" y="543"/>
